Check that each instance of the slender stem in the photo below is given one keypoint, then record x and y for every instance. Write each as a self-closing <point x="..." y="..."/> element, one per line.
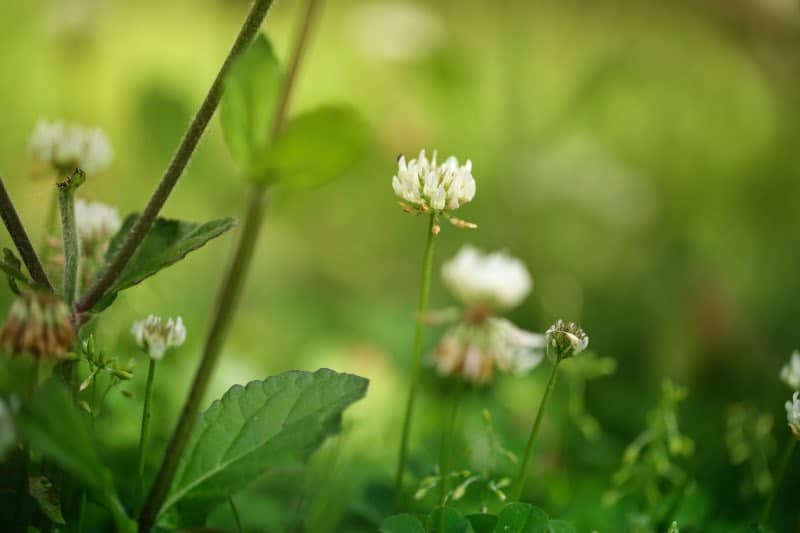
<point x="447" y="444"/>
<point x="523" y="468"/>
<point x="143" y="433"/>
<point x="779" y="473"/>
<point x="235" y="514"/>
<point x="20" y="237"/>
<point x="227" y="299"/>
<point x="416" y="357"/>
<point x="69" y="230"/>
<point x="179" y="161"/>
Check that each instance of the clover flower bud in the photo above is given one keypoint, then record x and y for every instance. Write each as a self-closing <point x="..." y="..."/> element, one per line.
<point x="38" y="323"/>
<point x="155" y="336"/>
<point x="565" y="340"/>
<point x="67" y="147"/>
<point x="424" y="187"/>
<point x="790" y="373"/>
<point x="793" y="414"/>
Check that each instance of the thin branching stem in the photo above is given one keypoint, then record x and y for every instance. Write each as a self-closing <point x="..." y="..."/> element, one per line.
<point x="416" y="357"/>
<point x="228" y="296"/>
<point x="176" y="166"/>
<point x="20" y="237"/>
<point x="145" y="426"/>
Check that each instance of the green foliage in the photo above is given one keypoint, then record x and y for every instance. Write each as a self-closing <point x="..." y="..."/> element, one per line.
<point x="482" y="522"/>
<point x="522" y="518"/>
<point x="448" y="520"/>
<point x="41" y="490"/>
<point x="402" y="523"/>
<point x="12" y="267"/>
<point x="513" y="518"/>
<point x="750" y="443"/>
<point x="248" y="105"/>
<point x="167" y="242"/>
<point x="266" y="426"/>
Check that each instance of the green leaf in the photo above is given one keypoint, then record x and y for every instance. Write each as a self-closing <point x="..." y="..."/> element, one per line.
<point x="402" y="523"/>
<point x="12" y="267"/>
<point x="256" y="430"/>
<point x="167" y="242"/>
<point x="40" y="488"/>
<point x="560" y="526"/>
<point x="482" y="522"/>
<point x="248" y="104"/>
<point x="452" y="521"/>
<point x="522" y="518"/>
<point x="318" y="147"/>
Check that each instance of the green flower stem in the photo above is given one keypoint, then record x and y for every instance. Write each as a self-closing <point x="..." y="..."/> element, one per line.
<point x="447" y="444"/>
<point x="143" y="433"/>
<point x="20" y="237"/>
<point x="178" y="163"/>
<point x="228" y="298"/>
<point x="523" y="468"/>
<point x="779" y="473"/>
<point x="69" y="230"/>
<point x="416" y="357"/>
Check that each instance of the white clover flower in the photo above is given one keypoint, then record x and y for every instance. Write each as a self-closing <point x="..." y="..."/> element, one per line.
<point x="793" y="414"/>
<point x="565" y="340"/>
<point x="155" y="336"/>
<point x="496" y="280"/>
<point x="66" y="147"/>
<point x="790" y="373"/>
<point x="8" y="435"/>
<point x="96" y="222"/>
<point x="427" y="187"/>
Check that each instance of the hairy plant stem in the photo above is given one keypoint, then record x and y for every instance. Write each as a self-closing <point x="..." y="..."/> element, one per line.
<point x="176" y="166"/>
<point x="143" y="433"/>
<point x="416" y="358"/>
<point x="779" y="473"/>
<point x="447" y="445"/>
<point x="69" y="231"/>
<point x="523" y="467"/>
<point x="20" y="238"/>
<point x="228" y="297"/>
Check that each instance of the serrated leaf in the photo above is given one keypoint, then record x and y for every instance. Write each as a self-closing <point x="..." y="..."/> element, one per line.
<point x="257" y="429"/>
<point x="522" y="518"/>
<point x="402" y="523"/>
<point x="318" y="146"/>
<point x="41" y="489"/>
<point x="167" y="242"/>
<point x="451" y="521"/>
<point x="482" y="522"/>
<point x="248" y="104"/>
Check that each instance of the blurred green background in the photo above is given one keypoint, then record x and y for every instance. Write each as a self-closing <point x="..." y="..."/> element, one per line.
<point x="641" y="157"/>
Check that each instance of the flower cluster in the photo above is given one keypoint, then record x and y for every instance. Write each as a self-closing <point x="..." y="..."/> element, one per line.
<point x="790" y="373"/>
<point x="565" y="340"/>
<point x="96" y="222"/>
<point x="155" y="336"/>
<point x="39" y="324"/>
<point x="65" y="147"/>
<point x="793" y="414"/>
<point x="423" y="186"/>
<point x="479" y="341"/>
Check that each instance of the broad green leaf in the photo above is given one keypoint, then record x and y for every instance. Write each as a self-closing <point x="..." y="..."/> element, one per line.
<point x="560" y="526"/>
<point x="167" y="242"/>
<point x="259" y="429"/>
<point x="248" y="104"/>
<point x="402" y="523"/>
<point x="482" y="522"/>
<point x="52" y="426"/>
<point x="451" y="521"/>
<point x="522" y="518"/>
<point x="318" y="146"/>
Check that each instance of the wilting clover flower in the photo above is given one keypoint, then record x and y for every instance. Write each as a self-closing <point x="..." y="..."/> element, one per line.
<point x="565" y="340"/>
<point x="793" y="414"/>
<point x="790" y="373"/>
<point x="155" y="336"/>
<point x="479" y="341"/>
<point x="65" y="147"/>
<point x="425" y="187"/>
<point x="38" y="323"/>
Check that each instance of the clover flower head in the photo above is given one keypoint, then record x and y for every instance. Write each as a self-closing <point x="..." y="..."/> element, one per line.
<point x="97" y="222"/>
<point x="155" y="336"/>
<point x="38" y="323"/>
<point x="790" y="373"/>
<point x="65" y="147"/>
<point x="496" y="280"/>
<point x="423" y="186"/>
<point x="793" y="414"/>
<point x="565" y="340"/>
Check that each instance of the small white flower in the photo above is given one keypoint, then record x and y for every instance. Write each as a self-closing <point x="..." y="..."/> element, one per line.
<point x="66" y="147"/>
<point x="496" y="280"/>
<point x="96" y="222"/>
<point x="8" y="434"/>
<point x="790" y="373"/>
<point x="565" y="340"/>
<point x="428" y="187"/>
<point x="156" y="336"/>
<point x="793" y="414"/>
